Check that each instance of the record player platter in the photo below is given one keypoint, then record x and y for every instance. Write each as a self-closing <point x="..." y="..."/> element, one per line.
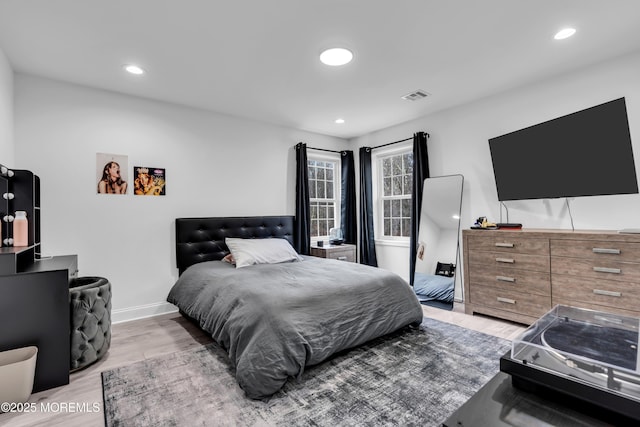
<point x="613" y="346"/>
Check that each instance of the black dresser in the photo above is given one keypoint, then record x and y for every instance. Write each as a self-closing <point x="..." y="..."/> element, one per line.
<point x="34" y="290"/>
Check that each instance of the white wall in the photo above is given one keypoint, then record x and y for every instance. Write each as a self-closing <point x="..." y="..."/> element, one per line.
<point x="216" y="165"/>
<point x="459" y="145"/>
<point x="6" y="112"/>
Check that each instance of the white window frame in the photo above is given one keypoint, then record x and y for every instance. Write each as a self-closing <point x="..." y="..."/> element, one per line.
<point x="378" y="198"/>
<point x="322" y="156"/>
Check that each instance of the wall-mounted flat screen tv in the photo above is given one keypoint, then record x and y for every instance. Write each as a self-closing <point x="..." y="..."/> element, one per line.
<point x="587" y="153"/>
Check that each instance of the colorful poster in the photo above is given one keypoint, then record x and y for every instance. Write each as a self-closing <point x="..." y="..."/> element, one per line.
<point x="149" y="181"/>
<point x="111" y="173"/>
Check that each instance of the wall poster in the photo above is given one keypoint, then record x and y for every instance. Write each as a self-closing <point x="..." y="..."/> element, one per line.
<point x="149" y="181"/>
<point x="111" y="173"/>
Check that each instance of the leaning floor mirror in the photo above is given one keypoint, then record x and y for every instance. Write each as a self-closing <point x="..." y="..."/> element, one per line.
<point x="438" y="241"/>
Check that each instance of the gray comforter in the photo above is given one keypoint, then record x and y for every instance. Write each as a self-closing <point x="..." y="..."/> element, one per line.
<point x="275" y="319"/>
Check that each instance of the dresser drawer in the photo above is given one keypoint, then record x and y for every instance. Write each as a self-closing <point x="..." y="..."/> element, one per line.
<point x="497" y="243"/>
<point x="347" y="255"/>
<point x="511" y="260"/>
<point x="599" y="250"/>
<point x="596" y="269"/>
<point x="511" y="279"/>
<point x="345" y="252"/>
<point x="610" y="293"/>
<point x="513" y="301"/>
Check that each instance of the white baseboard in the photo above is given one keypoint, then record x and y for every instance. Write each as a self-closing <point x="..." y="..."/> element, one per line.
<point x="141" y="312"/>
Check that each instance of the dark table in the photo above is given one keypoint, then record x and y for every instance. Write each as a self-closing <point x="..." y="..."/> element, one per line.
<point x="499" y="404"/>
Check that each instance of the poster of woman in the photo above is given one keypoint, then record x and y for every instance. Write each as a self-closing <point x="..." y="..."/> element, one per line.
<point x="149" y="181"/>
<point x="111" y="173"/>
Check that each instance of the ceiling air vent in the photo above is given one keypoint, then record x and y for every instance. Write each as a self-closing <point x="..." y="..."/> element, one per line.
<point x="416" y="95"/>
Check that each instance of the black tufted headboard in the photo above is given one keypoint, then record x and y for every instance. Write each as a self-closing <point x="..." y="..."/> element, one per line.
<point x="202" y="239"/>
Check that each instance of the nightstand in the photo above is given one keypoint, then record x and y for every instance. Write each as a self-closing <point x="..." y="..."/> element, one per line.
<point x="344" y="252"/>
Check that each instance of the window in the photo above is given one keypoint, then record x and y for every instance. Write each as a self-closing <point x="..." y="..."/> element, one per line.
<point x="324" y="195"/>
<point x="394" y="187"/>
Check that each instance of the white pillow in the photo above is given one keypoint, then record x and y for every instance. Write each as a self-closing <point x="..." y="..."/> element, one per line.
<point x="261" y="251"/>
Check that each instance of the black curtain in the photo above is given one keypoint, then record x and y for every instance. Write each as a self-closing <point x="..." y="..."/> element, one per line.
<point x="348" y="198"/>
<point x="420" y="173"/>
<point x="302" y="229"/>
<point x="367" y="243"/>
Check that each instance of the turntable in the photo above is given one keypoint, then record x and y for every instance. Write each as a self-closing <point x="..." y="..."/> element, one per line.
<point x="585" y="354"/>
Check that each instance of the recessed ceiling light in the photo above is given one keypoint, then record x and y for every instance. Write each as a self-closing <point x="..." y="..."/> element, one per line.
<point x="134" y="69"/>
<point x="455" y="216"/>
<point x="339" y="121"/>
<point x="336" y="56"/>
<point x="564" y="33"/>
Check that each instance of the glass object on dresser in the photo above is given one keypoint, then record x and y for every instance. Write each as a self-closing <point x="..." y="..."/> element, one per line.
<point x="336" y="236"/>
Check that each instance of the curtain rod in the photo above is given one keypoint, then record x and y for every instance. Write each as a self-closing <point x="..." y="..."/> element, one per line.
<point x="321" y="149"/>
<point x="396" y="142"/>
<point x="324" y="149"/>
<point x="371" y="148"/>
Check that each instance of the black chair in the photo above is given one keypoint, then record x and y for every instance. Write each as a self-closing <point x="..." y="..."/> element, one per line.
<point x="443" y="269"/>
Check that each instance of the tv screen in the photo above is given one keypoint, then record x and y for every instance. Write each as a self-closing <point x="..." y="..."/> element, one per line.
<point x="587" y="153"/>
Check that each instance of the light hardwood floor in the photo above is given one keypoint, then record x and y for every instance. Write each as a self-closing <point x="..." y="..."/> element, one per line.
<point x="146" y="338"/>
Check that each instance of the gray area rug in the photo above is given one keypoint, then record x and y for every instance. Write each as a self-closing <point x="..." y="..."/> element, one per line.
<point x="417" y="376"/>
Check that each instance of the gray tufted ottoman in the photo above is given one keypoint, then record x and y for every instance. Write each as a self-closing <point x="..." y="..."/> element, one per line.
<point x="90" y="312"/>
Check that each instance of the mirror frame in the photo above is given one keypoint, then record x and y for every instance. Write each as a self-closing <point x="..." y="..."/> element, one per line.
<point x="457" y="277"/>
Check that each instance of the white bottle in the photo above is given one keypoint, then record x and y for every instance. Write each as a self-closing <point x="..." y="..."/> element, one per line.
<point x="20" y="229"/>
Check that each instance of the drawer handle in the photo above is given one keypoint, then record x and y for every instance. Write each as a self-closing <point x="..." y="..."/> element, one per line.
<point x="342" y="258"/>
<point x="606" y="251"/>
<point x="505" y="245"/>
<point x="507" y="300"/>
<point x="607" y="270"/>
<point x="506" y="279"/>
<point x="607" y="293"/>
<point x="506" y="260"/>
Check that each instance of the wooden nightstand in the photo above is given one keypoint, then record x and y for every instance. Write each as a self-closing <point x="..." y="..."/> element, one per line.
<point x="344" y="252"/>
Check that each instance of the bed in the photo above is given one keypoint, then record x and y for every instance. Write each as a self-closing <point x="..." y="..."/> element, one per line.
<point x="438" y="286"/>
<point x="275" y="319"/>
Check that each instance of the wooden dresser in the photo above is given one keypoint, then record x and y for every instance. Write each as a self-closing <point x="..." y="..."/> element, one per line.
<point x="521" y="274"/>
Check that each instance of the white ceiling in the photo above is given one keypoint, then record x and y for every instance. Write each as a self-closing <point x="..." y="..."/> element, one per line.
<point x="259" y="59"/>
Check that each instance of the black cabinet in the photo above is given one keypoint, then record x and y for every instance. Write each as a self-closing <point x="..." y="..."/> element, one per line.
<point x="4" y="204"/>
<point x="20" y="191"/>
<point x="499" y="404"/>
<point x="34" y="310"/>
<point x="15" y="260"/>
<point x="34" y="291"/>
<point x="25" y="187"/>
<point x="68" y="263"/>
